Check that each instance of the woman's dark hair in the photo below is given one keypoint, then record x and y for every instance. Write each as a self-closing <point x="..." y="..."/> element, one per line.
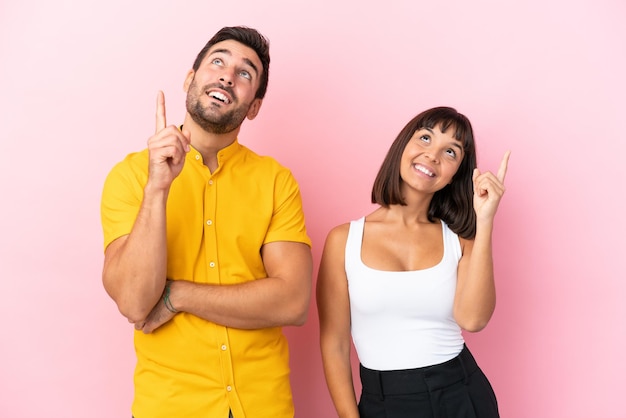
<point x="248" y="37"/>
<point x="454" y="203"/>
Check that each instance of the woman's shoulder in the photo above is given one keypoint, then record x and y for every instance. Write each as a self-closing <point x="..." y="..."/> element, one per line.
<point x="339" y="232"/>
<point x="338" y="235"/>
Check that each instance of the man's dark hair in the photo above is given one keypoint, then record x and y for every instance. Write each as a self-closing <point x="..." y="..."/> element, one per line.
<point x="248" y="37"/>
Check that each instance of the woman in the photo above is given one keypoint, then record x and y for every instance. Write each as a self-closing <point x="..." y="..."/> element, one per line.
<point x="404" y="280"/>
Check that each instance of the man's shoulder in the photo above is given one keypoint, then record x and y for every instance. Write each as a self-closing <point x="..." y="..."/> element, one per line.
<point x="137" y="160"/>
<point x="132" y="168"/>
<point x="266" y="161"/>
<point x="136" y="157"/>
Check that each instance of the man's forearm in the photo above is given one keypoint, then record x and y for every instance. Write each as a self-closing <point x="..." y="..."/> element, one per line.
<point x="257" y="304"/>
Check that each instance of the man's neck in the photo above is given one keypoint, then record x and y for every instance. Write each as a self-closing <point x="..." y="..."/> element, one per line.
<point x="207" y="143"/>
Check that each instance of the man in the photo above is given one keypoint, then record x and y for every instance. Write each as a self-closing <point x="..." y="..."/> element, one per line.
<point x="206" y="250"/>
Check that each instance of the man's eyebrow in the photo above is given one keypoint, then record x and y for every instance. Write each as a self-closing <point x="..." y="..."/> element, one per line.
<point x="227" y="52"/>
<point x="251" y="64"/>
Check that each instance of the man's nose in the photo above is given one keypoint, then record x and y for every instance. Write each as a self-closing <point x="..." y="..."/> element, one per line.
<point x="227" y="77"/>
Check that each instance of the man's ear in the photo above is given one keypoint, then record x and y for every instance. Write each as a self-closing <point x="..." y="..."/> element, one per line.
<point x="254" y="108"/>
<point x="188" y="80"/>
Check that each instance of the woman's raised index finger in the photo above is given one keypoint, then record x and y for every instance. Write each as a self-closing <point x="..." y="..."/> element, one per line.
<point x="503" y="166"/>
<point x="160" y="112"/>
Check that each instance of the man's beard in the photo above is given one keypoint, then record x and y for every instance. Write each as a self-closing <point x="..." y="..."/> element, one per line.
<point x="216" y="124"/>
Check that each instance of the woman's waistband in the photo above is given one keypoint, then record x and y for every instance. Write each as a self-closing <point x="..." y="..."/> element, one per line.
<point x="423" y="379"/>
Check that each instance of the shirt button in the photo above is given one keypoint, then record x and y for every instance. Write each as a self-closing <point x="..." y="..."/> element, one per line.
<point x="197" y="157"/>
<point x="228" y="388"/>
<point x="224" y="347"/>
<point x="209" y="222"/>
<point x="210" y="181"/>
<point x="211" y="264"/>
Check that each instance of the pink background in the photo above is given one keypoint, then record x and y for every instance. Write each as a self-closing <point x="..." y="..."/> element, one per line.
<point x="542" y="78"/>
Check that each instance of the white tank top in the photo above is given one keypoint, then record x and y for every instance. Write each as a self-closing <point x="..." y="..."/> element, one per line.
<point x="403" y="319"/>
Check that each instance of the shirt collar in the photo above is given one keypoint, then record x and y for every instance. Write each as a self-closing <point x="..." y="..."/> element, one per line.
<point x="223" y="155"/>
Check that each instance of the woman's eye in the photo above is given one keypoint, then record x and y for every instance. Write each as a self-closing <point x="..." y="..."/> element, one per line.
<point x="425" y="138"/>
<point x="451" y="152"/>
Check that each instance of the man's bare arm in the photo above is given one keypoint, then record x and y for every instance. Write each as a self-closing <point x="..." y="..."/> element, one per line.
<point x="281" y="299"/>
<point x="135" y="265"/>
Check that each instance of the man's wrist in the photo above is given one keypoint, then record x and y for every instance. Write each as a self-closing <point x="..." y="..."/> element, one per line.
<point x="166" y="298"/>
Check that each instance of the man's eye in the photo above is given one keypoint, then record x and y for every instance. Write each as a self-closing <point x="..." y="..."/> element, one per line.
<point x="245" y="74"/>
<point x="217" y="61"/>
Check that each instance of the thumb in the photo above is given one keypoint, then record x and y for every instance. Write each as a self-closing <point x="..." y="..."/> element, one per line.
<point x="187" y="136"/>
<point x="475" y="175"/>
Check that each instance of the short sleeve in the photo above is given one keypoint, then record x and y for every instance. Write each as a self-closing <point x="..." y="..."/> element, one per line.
<point x="288" y="222"/>
<point x="121" y="196"/>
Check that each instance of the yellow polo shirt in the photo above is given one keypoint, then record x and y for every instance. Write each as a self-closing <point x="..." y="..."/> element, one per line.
<point x="216" y="225"/>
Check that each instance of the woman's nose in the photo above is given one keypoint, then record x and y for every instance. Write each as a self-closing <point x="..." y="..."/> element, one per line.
<point x="432" y="155"/>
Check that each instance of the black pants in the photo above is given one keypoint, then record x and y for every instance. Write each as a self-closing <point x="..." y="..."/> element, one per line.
<point x="454" y="389"/>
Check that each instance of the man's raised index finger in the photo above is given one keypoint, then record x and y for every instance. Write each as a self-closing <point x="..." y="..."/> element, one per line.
<point x="503" y="166"/>
<point x="160" y="112"/>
